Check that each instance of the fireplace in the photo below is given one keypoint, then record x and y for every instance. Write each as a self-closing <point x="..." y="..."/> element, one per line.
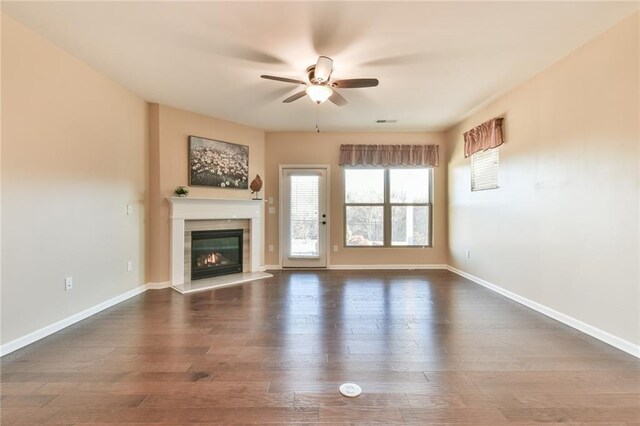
<point x="216" y="253"/>
<point x="189" y="214"/>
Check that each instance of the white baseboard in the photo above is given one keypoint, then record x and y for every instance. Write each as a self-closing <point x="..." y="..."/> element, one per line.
<point x="366" y="267"/>
<point x="270" y="268"/>
<point x="23" y="341"/>
<point x="592" y="331"/>
<point x="393" y="266"/>
<point x="158" y="286"/>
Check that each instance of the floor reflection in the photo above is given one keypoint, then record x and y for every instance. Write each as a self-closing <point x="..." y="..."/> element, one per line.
<point x="302" y="325"/>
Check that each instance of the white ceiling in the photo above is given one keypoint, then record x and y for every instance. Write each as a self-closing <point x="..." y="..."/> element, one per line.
<point x="436" y="61"/>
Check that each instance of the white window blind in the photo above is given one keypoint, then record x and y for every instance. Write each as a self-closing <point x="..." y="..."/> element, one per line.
<point x="484" y="169"/>
<point x="304" y="216"/>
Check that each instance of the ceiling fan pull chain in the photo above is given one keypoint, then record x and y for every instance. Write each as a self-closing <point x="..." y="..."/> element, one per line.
<point x="317" y="118"/>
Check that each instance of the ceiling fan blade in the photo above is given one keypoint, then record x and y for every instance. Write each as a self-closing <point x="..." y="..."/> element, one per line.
<point x="323" y="69"/>
<point x="353" y="83"/>
<point x="286" y="80"/>
<point x="337" y="99"/>
<point x="295" y="97"/>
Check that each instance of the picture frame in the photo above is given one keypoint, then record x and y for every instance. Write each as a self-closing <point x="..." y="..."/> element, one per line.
<point x="218" y="164"/>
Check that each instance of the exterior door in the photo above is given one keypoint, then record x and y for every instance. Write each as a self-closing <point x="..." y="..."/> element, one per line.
<point x="304" y="217"/>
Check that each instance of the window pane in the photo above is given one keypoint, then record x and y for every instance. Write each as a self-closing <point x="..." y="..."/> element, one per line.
<point x="409" y="185"/>
<point x="409" y="225"/>
<point x="364" y="226"/>
<point x="304" y="216"/>
<point x="364" y="185"/>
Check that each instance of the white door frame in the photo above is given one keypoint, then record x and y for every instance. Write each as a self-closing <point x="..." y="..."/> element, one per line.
<point x="281" y="236"/>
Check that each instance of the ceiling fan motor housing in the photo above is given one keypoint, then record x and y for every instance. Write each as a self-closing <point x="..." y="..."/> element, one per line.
<point x="311" y="74"/>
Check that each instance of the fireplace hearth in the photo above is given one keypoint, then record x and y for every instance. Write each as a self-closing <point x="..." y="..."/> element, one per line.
<point x="215" y="253"/>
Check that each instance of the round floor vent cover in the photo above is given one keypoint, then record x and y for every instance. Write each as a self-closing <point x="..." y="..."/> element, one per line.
<point x="350" y="390"/>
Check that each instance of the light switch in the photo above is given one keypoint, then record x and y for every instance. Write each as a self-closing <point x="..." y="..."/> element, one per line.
<point x="272" y="210"/>
<point x="129" y="209"/>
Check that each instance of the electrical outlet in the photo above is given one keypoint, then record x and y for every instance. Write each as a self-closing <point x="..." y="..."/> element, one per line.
<point x="270" y="200"/>
<point x="270" y="248"/>
<point x="129" y="209"/>
<point x="335" y="248"/>
<point x="68" y="283"/>
<point x="272" y="210"/>
<point x="129" y="266"/>
<point x="468" y="254"/>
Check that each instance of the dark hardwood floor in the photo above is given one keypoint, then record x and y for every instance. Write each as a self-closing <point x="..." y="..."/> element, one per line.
<point x="427" y="347"/>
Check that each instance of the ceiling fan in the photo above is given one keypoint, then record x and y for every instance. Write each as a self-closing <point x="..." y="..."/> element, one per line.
<point x="320" y="87"/>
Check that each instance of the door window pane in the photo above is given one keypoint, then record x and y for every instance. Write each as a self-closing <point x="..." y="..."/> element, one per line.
<point x="304" y="222"/>
<point x="409" y="185"/>
<point x="409" y="225"/>
<point x="365" y="226"/>
<point x="364" y="186"/>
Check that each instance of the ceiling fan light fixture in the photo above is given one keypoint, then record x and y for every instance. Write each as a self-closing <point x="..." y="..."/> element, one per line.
<point x="320" y="88"/>
<point x="319" y="93"/>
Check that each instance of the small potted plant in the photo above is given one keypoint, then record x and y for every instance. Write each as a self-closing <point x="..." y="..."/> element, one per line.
<point x="181" y="191"/>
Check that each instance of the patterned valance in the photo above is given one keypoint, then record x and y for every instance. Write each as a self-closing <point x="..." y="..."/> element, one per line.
<point x="389" y="155"/>
<point x="485" y="136"/>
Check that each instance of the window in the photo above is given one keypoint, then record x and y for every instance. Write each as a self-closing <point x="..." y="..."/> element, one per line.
<point x="388" y="207"/>
<point x="484" y="170"/>
<point x="303" y="216"/>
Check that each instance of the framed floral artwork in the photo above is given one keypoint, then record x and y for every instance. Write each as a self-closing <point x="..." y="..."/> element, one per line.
<point x="217" y="163"/>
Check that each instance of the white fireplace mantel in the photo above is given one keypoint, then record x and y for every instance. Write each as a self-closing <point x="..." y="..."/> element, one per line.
<point x="184" y="208"/>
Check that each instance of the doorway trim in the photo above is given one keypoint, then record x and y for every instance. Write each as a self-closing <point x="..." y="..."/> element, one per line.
<point x="281" y="236"/>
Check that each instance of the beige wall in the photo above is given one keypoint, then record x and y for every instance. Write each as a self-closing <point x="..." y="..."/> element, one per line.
<point x="73" y="156"/>
<point x="1" y="133"/>
<point x="169" y="132"/>
<point x="562" y="229"/>
<point x="324" y="148"/>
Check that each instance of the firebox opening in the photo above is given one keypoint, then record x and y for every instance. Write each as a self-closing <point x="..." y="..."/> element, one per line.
<point x="215" y="253"/>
